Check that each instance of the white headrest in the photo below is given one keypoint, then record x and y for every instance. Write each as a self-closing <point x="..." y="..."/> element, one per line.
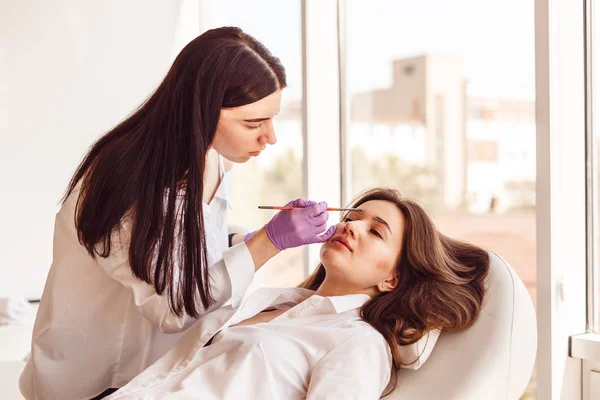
<point x="491" y="360"/>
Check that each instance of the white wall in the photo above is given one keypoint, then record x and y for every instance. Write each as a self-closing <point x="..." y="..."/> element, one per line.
<point x="69" y="70"/>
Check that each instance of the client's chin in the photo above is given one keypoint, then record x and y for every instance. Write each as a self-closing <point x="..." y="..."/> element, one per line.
<point x="330" y="252"/>
<point x="241" y="159"/>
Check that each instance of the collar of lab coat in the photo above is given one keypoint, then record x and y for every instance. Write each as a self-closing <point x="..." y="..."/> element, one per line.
<point x="224" y="190"/>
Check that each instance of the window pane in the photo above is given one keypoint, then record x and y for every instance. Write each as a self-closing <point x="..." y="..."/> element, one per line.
<point x="442" y="107"/>
<point x="275" y="177"/>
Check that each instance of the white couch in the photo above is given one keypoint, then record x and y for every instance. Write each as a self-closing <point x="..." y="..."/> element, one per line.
<point x="493" y="359"/>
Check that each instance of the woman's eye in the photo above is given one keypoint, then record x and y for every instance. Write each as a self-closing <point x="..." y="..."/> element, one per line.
<point x="347" y="219"/>
<point x="254" y="126"/>
<point x="376" y="233"/>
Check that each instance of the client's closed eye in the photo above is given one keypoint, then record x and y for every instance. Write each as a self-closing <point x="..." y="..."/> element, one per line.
<point x="376" y="233"/>
<point x="372" y="230"/>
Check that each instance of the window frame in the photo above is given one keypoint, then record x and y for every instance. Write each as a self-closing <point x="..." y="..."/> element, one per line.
<point x="322" y="113"/>
<point x="560" y="194"/>
<point x="592" y="169"/>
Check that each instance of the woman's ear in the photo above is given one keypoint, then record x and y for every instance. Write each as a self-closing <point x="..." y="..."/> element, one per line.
<point x="388" y="285"/>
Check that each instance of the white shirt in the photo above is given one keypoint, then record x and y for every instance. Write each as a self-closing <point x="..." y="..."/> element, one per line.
<point x="318" y="349"/>
<point x="98" y="326"/>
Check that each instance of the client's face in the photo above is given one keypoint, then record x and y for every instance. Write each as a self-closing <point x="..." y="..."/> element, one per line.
<point x="362" y="255"/>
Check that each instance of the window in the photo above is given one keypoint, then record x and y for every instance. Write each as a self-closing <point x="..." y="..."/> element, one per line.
<point x="468" y="152"/>
<point x="275" y="177"/>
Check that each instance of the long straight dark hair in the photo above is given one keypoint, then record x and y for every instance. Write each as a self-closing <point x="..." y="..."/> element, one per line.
<point x="442" y="281"/>
<point x="133" y="173"/>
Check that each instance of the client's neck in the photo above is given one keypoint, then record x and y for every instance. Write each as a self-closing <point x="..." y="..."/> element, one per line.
<point x="329" y="288"/>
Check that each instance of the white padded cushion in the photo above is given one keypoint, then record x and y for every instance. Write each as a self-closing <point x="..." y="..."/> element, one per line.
<point x="491" y="360"/>
<point x="414" y="356"/>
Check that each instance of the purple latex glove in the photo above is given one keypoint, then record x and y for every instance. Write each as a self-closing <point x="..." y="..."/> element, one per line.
<point x="249" y="235"/>
<point x="301" y="226"/>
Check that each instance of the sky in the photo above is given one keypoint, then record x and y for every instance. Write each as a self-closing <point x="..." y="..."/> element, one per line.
<point x="496" y="38"/>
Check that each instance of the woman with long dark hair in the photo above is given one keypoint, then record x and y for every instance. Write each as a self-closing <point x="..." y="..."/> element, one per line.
<point x="387" y="277"/>
<point x="140" y="243"/>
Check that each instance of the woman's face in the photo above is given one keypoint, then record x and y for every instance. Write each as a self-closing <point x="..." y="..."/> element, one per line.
<point x="243" y="132"/>
<point x="362" y="255"/>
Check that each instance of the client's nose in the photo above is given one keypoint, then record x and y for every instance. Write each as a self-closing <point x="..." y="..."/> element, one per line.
<point x="350" y="229"/>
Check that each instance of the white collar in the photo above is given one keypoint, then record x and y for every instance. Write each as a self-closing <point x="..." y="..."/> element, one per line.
<point x="339" y="303"/>
<point x="348" y="302"/>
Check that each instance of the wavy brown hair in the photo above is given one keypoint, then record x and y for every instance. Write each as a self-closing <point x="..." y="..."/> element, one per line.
<point x="441" y="281"/>
<point x="135" y="170"/>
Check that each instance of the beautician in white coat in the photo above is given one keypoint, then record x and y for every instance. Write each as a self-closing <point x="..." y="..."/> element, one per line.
<point x="140" y="241"/>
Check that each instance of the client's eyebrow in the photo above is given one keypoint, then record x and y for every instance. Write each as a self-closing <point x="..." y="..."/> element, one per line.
<point x="381" y="220"/>
<point x="376" y="218"/>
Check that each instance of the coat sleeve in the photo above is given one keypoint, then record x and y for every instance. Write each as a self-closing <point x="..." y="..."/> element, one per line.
<point x="230" y="277"/>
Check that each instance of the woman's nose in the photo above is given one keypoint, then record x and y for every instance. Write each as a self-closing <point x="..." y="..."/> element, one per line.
<point x="350" y="229"/>
<point x="268" y="135"/>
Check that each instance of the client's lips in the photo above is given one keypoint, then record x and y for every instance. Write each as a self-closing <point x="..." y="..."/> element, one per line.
<point x="342" y="240"/>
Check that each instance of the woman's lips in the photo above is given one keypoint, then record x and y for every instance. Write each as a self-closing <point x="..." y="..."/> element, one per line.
<point x="343" y="242"/>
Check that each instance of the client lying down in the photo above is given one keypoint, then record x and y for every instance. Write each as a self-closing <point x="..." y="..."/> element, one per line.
<point x="387" y="277"/>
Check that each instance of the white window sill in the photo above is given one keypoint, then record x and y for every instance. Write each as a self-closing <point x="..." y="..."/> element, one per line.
<point x="585" y="346"/>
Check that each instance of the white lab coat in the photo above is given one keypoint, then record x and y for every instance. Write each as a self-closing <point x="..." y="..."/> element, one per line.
<point x="319" y="348"/>
<point x="98" y="326"/>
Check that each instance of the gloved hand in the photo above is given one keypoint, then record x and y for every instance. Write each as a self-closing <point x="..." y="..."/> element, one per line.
<point x="249" y="235"/>
<point x="301" y="226"/>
